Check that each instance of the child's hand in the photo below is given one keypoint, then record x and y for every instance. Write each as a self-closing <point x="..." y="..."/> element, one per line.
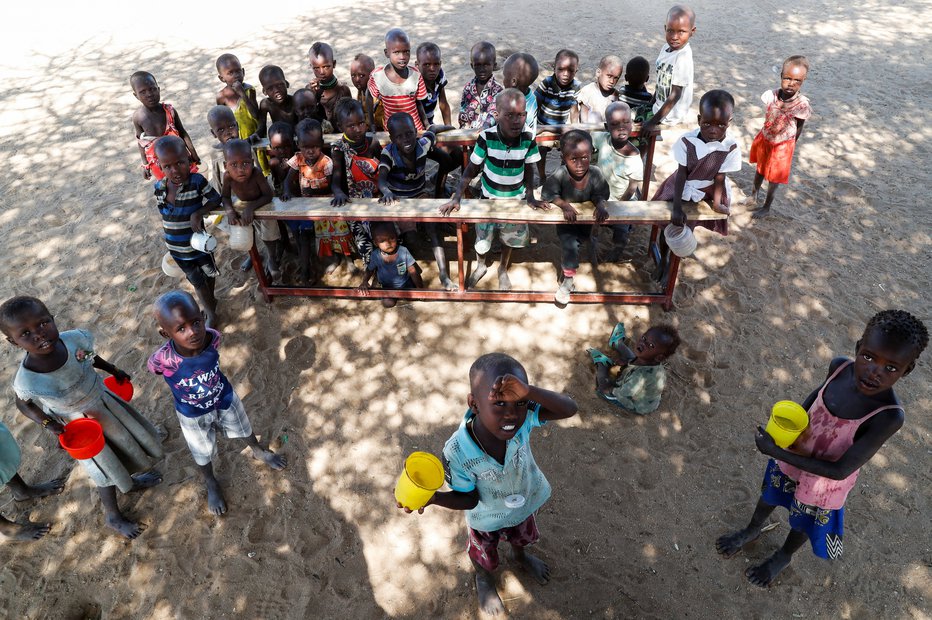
<point x="197" y="222"/>
<point x="678" y="216"/>
<point x="538" y="205"/>
<point x="120" y="375"/>
<point x="601" y="213"/>
<point x="146" y="173"/>
<point x="233" y="217"/>
<point x="339" y="199"/>
<point x="569" y="213"/>
<point x="765" y="442"/>
<point x="721" y="208"/>
<point x="387" y="198"/>
<point x="286" y="196"/>
<point x="54" y="427"/>
<point x="363" y="288"/>
<point x="420" y="510"/>
<point x="254" y="138"/>
<point x="508" y="388"/>
<point x="247" y="216"/>
<point x="237" y="87"/>
<point x="450" y="207"/>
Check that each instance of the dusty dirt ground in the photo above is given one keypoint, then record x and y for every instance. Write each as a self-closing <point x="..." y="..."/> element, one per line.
<point x="347" y="389"/>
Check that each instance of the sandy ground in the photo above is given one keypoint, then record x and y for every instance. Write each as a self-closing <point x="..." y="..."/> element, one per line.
<point x="347" y="389"/>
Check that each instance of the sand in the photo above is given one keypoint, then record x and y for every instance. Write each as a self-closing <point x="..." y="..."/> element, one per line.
<point x="347" y="389"/>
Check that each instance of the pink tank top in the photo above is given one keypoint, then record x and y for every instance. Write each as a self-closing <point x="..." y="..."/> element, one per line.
<point x="827" y="438"/>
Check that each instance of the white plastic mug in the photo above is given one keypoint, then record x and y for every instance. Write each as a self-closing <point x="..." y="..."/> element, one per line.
<point x="483" y="246"/>
<point x="241" y="238"/>
<point x="681" y="240"/>
<point x="203" y="242"/>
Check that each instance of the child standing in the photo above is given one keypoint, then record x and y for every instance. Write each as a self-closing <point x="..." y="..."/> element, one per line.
<point x="640" y="384"/>
<point x="10" y="459"/>
<point x="325" y="85"/>
<point x="204" y="399"/>
<point x="397" y="86"/>
<point x="360" y="70"/>
<point x="851" y="416"/>
<point x="153" y="120"/>
<point x="492" y="473"/>
<point x="774" y="145"/>
<point x="223" y="127"/>
<point x="241" y="98"/>
<point x="620" y="162"/>
<point x="281" y="149"/>
<point x="594" y="97"/>
<point x="635" y="92"/>
<point x="392" y="265"/>
<point x="278" y="104"/>
<point x="574" y="181"/>
<point x="674" y="93"/>
<point x="477" y="104"/>
<point x="505" y="155"/>
<point x="57" y="382"/>
<point x="519" y="71"/>
<point x="428" y="62"/>
<point x="556" y="99"/>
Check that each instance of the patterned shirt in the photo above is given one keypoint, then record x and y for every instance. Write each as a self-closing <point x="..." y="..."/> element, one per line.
<point x="433" y="96"/>
<point x="674" y="68"/>
<point x="468" y="467"/>
<point x="399" y="97"/>
<point x="640" y="101"/>
<point x="195" y="194"/>
<point x="530" y="105"/>
<point x="477" y="108"/>
<point x="638" y="388"/>
<point x="503" y="164"/>
<point x="314" y="179"/>
<point x="780" y="121"/>
<point x="403" y="181"/>
<point x="555" y="102"/>
<point x="197" y="383"/>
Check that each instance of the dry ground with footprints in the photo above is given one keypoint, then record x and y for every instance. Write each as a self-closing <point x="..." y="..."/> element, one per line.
<point x="347" y="389"/>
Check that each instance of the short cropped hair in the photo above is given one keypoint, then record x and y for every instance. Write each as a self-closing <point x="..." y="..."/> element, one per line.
<point x="681" y="9"/>
<point x="670" y="332"/>
<point x="505" y="95"/>
<point x="574" y="137"/>
<point x="524" y="60"/>
<point x="15" y="308"/>
<point x="427" y="47"/>
<point x="270" y="71"/>
<point x="796" y="61"/>
<point x="225" y="59"/>
<point x="899" y="328"/>
<point x="236" y="146"/>
<point x="496" y="364"/>
<point x="396" y="34"/>
<point x="143" y="75"/>
<point x="565" y="53"/>
<point x="616" y="105"/>
<point x="482" y="46"/>
<point x="610" y="61"/>
<point x="638" y="66"/>
<point x="308" y="125"/>
<point x="716" y="99"/>
<point x="365" y="59"/>
<point x="396" y="119"/>
<point x="382" y="228"/>
<point x="219" y="112"/>
<point x="346" y="106"/>
<point x="166" y="302"/>
<point x="169" y="144"/>
<point x="319" y="48"/>
<point x="281" y="128"/>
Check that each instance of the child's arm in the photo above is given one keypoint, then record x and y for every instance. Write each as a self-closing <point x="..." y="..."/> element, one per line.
<point x="35" y="413"/>
<point x="574" y="113"/>
<point x="226" y="197"/>
<point x="799" y="128"/>
<point x="290" y="179"/>
<point x="183" y="133"/>
<point x="675" y="93"/>
<point x="102" y="364"/>
<point x="370" y="107"/>
<point x="137" y="128"/>
<point x="387" y="197"/>
<point x="250" y="206"/>
<point x="336" y="182"/>
<point x="553" y="405"/>
<point x="632" y="187"/>
<point x="435" y="129"/>
<point x="468" y="175"/>
<point x="262" y="129"/>
<point x="718" y="193"/>
<point x="444" y="106"/>
<point x="532" y="202"/>
<point x="420" y="112"/>
<point x="366" y="279"/>
<point x="678" y="216"/>
<point x="415" y="276"/>
<point x="583" y="112"/>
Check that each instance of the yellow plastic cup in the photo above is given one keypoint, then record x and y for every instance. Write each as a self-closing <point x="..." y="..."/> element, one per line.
<point x="422" y="476"/>
<point x="787" y="421"/>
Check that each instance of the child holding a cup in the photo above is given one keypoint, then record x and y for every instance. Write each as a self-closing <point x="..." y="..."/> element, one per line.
<point x="492" y="473"/>
<point x="851" y="416"/>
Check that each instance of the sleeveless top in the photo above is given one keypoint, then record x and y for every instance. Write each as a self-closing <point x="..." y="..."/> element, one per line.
<point x="827" y="438"/>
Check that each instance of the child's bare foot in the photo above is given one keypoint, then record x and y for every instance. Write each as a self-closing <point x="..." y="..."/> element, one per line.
<point x="504" y="282"/>
<point x="762" y="212"/>
<point x="275" y="461"/>
<point x="489" y="600"/>
<point x="721" y="209"/>
<point x="763" y="575"/>
<point x="447" y="283"/>
<point x="532" y="564"/>
<point x="124" y="526"/>
<point x="23" y="532"/>
<point x="35" y="491"/>
<point x="143" y="481"/>
<point x="730" y="544"/>
<point x="216" y="503"/>
<point x="476" y="275"/>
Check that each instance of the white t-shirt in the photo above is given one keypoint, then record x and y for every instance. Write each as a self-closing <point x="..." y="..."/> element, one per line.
<point x="692" y="191"/>
<point x="675" y="69"/>
<point x="591" y="96"/>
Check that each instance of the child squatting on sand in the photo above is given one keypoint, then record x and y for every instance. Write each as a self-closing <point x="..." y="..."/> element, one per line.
<point x="492" y="473"/>
<point x="851" y="416"/>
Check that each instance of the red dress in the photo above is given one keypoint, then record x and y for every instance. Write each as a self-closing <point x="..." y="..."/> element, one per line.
<point x="148" y="144"/>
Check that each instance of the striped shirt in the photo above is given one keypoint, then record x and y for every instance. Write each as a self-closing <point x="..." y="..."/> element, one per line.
<point x="403" y="181"/>
<point x="433" y="96"/>
<point x="503" y="164"/>
<point x="176" y="218"/>
<point x="554" y="102"/>
<point x="399" y="97"/>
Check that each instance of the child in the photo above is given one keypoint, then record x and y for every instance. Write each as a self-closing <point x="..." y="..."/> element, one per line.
<point x="640" y="384"/>
<point x="360" y="70"/>
<point x="325" y="85"/>
<point x="851" y="416"/>
<point x="635" y="92"/>
<point x="402" y="174"/>
<point x="773" y="147"/>
<point x="153" y="120"/>
<point x="397" y="86"/>
<point x="278" y="104"/>
<point x="594" y="97"/>
<point x="574" y="181"/>
<point x="306" y="106"/>
<point x="183" y="199"/>
<point x="428" y="63"/>
<point x="492" y="473"/>
<point x="223" y="127"/>
<point x="204" y="398"/>
<point x="519" y="71"/>
<point x="620" y="163"/>
<point x="56" y="383"/>
<point x="556" y="99"/>
<point x="505" y="154"/>
<point x="10" y="458"/>
<point x="355" y="168"/>
<point x="246" y="190"/>
<point x="674" y="92"/>
<point x="241" y="98"/>
<point x="393" y="266"/>
<point x="477" y="104"/>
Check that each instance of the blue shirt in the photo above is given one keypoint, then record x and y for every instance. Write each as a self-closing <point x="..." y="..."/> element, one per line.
<point x="197" y="383"/>
<point x="394" y="274"/>
<point x="555" y="102"/>
<point x="403" y="181"/>
<point x="176" y="217"/>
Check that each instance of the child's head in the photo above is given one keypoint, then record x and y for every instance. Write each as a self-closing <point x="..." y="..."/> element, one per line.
<point x="145" y="89"/>
<point x="482" y="60"/>
<point x="519" y="71"/>
<point x="360" y="70"/>
<point x="510" y="113"/>
<point x="351" y="118"/>
<point x="274" y="84"/>
<point x="428" y="61"/>
<point x="397" y="48"/>
<point x="28" y="324"/>
<point x="384" y="237"/>
<point x="174" y="160"/>
<point x="576" y="150"/>
<point x="229" y="70"/>
<point x="715" y="110"/>
<point x="238" y="162"/>
<point x="304" y="102"/>
<point x="888" y="349"/>
<point x="281" y="141"/>
<point x="322" y="63"/>
<point x="679" y="26"/>
<point x="793" y="74"/>
<point x="180" y="320"/>
<point x="222" y="123"/>
<point x="657" y="344"/>
<point x="637" y="72"/>
<point x="499" y="418"/>
<point x="309" y="138"/>
<point x="402" y="132"/>
<point x="565" y="66"/>
<point x="608" y="73"/>
<point x="618" y="122"/>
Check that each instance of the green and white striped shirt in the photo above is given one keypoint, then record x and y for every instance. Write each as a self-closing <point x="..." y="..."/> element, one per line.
<point x="503" y="164"/>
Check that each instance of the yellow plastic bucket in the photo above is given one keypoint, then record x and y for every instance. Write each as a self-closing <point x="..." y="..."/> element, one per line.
<point x="422" y="476"/>
<point x="787" y="421"/>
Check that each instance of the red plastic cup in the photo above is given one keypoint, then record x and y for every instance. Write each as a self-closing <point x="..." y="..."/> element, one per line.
<point x="83" y="438"/>
<point x="122" y="389"/>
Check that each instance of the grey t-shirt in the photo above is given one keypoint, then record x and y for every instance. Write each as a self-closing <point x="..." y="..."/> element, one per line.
<point x="560" y="185"/>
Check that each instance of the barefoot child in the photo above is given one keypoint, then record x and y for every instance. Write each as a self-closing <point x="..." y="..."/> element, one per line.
<point x="594" y="97"/>
<point x="278" y="104"/>
<point x="477" y="103"/>
<point x="574" y="181"/>
<point x="851" y="416"/>
<point x="241" y="98"/>
<point x="360" y="70"/>
<point x="773" y="147"/>
<point x="325" y="85"/>
<point x="391" y="263"/>
<point x="153" y="120"/>
<point x="204" y="398"/>
<point x="397" y="86"/>
<point x="640" y="384"/>
<point x="492" y="473"/>
<point x="57" y="382"/>
<point x="556" y="99"/>
<point x="505" y="155"/>
<point x="10" y="458"/>
<point x="674" y="92"/>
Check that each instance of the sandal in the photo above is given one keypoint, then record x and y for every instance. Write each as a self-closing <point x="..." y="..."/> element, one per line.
<point x="598" y="357"/>
<point x="618" y="334"/>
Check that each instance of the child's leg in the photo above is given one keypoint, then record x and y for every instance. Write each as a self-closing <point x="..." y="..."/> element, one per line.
<point x="22" y="491"/>
<point x="758" y="182"/>
<point x="275" y="461"/>
<point x="11" y="530"/>
<point x="504" y="282"/>
<point x="620" y="234"/>
<point x="730" y="544"/>
<point x="542" y="164"/>
<point x="205" y="295"/>
<point x="570" y="239"/>
<point x="765" y="209"/>
<point x="485" y="234"/>
<point x="763" y="574"/>
<point x="603" y="378"/>
<point x="520" y="536"/>
<point x="114" y="517"/>
<point x="489" y="600"/>
<point x="436" y="244"/>
<point x="305" y="250"/>
<point x="235" y="424"/>
<point x="482" y="548"/>
<point x="216" y="503"/>
<point x="512" y="236"/>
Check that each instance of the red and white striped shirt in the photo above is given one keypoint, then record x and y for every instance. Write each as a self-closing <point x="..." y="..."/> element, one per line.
<point x="399" y="97"/>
